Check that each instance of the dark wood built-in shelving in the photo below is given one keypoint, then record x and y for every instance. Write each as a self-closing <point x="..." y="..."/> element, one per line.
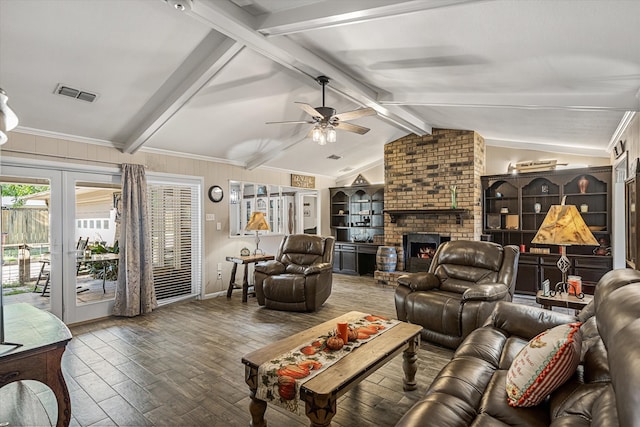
<point x="514" y="207"/>
<point x="357" y="223"/>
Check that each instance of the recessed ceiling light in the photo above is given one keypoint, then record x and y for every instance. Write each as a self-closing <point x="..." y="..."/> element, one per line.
<point x="181" y="5"/>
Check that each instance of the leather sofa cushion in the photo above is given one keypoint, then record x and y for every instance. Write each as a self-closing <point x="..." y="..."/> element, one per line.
<point x="302" y="250"/>
<point x="460" y="253"/>
<point x="493" y="405"/>
<point x="284" y="288"/>
<point x="574" y="402"/>
<point x="295" y="269"/>
<point x="435" y="310"/>
<point x="458" y="279"/>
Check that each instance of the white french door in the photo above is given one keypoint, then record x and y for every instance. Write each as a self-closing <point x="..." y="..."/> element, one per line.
<point x="45" y="256"/>
<point x="68" y="191"/>
<point x="88" y="206"/>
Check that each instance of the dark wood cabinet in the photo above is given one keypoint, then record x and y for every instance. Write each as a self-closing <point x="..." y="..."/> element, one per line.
<point x="514" y="207"/>
<point x="528" y="273"/>
<point x="345" y="259"/>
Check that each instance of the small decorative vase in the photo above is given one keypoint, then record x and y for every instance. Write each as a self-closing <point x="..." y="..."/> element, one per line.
<point x="583" y="183"/>
<point x="537" y="207"/>
<point x="454" y="197"/>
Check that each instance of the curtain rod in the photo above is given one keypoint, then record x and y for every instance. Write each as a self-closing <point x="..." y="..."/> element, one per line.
<point x="65" y="157"/>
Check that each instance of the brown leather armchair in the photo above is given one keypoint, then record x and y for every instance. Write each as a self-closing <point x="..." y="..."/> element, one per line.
<point x="300" y="277"/>
<point x="464" y="282"/>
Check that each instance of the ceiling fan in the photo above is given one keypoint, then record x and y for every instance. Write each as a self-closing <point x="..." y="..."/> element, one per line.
<point x="326" y="121"/>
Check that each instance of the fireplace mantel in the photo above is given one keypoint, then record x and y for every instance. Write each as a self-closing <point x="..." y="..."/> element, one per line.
<point x="395" y="214"/>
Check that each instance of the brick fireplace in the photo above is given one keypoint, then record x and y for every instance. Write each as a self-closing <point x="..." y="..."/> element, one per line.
<point x="419" y="174"/>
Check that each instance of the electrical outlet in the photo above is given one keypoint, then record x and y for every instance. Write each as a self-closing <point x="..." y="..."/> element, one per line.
<point x="219" y="226"/>
<point x="220" y="275"/>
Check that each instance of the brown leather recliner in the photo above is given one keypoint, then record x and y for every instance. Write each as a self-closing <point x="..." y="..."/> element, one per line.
<point x="299" y="278"/>
<point x="464" y="282"/>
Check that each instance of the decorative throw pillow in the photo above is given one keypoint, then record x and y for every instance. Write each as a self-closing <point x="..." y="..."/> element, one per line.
<point x="545" y="363"/>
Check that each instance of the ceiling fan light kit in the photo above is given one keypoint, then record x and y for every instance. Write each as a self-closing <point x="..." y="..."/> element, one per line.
<point x="326" y="121"/>
<point x="323" y="134"/>
<point x="8" y="119"/>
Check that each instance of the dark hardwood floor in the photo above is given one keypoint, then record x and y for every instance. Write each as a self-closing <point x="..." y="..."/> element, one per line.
<point x="181" y="365"/>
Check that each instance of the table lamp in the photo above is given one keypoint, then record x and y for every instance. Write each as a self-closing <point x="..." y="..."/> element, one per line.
<point x="257" y="223"/>
<point x="564" y="226"/>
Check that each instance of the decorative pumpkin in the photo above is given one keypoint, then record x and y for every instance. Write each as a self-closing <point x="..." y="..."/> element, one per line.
<point x="293" y="371"/>
<point x="366" y="330"/>
<point x="353" y="334"/>
<point x="335" y="343"/>
<point x="362" y="335"/>
<point x="371" y="329"/>
<point x="310" y="364"/>
<point x="286" y="387"/>
<point x="308" y="350"/>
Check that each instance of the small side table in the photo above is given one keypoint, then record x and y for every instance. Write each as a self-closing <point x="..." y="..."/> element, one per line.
<point x="563" y="300"/>
<point x="44" y="338"/>
<point x="246" y="260"/>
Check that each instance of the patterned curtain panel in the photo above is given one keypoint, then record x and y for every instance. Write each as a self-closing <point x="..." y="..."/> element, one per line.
<point x="135" y="293"/>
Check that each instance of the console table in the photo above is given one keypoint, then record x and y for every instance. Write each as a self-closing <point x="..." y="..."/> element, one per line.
<point x="243" y="260"/>
<point x="44" y="338"/>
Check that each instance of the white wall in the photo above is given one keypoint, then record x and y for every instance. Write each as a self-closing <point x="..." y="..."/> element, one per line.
<point x="631" y="139"/>
<point x="217" y="243"/>
<point x="498" y="159"/>
<point x="497" y="162"/>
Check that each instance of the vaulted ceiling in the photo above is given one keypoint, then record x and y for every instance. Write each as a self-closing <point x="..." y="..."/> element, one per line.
<point x="555" y="76"/>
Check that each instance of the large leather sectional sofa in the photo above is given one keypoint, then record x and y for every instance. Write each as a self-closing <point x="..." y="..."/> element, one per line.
<point x="604" y="391"/>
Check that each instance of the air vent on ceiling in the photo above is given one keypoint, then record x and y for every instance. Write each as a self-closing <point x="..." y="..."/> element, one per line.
<point x="334" y="157"/>
<point x="82" y="95"/>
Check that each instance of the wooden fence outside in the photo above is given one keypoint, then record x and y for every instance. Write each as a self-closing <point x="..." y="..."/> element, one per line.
<point x="20" y="226"/>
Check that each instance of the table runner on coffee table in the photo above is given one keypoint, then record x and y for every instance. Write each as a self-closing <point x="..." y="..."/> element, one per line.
<point x="279" y="380"/>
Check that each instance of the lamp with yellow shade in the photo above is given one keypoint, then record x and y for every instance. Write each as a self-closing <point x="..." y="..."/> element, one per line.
<point x="563" y="226"/>
<point x="257" y="223"/>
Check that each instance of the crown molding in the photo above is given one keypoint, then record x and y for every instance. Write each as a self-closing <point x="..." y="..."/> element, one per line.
<point x="621" y="129"/>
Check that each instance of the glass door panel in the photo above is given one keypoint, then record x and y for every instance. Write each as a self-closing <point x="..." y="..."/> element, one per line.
<point x="96" y="232"/>
<point x="92" y="202"/>
<point x="30" y="259"/>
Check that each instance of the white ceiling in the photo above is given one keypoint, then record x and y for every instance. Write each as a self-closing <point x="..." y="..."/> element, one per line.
<point x="548" y="75"/>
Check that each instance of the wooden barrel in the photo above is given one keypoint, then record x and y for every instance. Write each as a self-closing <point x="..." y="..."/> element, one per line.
<point x="386" y="258"/>
<point x="400" y="264"/>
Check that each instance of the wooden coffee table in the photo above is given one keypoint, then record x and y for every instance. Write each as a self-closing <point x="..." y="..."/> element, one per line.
<point x="321" y="393"/>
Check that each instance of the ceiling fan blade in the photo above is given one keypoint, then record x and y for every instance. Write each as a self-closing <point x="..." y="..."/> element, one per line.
<point x="293" y="122"/>
<point x="351" y="127"/>
<point x="350" y="115"/>
<point x="310" y="110"/>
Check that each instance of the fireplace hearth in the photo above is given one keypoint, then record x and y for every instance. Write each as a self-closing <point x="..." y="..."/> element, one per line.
<point x="419" y="249"/>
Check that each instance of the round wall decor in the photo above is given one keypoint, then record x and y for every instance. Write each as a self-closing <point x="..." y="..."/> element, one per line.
<point x="215" y="193"/>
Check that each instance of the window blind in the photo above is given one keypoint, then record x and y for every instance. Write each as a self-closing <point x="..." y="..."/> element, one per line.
<point x="175" y="240"/>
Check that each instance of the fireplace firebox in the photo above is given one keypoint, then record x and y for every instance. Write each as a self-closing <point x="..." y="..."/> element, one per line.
<point x="419" y="249"/>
